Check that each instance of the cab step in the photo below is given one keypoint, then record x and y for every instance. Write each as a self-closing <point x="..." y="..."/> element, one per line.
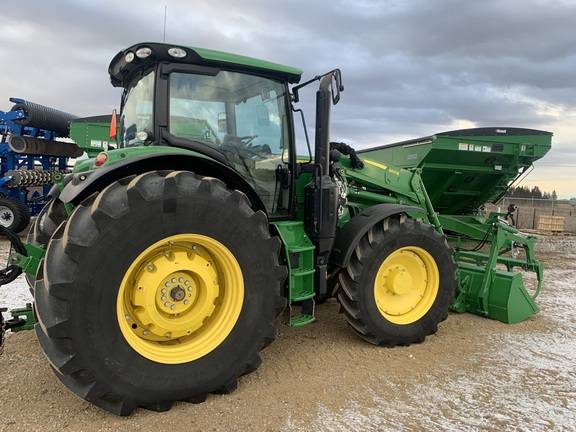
<point x="299" y="254"/>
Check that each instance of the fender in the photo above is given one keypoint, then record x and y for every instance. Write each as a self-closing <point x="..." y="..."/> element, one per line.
<point x="79" y="186"/>
<point x="359" y="225"/>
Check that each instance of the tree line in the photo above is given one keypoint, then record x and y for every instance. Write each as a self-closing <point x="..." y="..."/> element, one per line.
<point x="535" y="192"/>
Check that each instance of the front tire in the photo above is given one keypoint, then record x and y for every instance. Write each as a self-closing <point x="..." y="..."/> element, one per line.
<point x="399" y="283"/>
<point x="159" y="289"/>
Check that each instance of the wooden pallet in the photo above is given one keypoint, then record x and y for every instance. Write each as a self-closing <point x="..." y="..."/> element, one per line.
<point x="551" y="225"/>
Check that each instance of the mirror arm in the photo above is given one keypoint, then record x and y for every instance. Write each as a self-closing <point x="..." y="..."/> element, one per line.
<point x="335" y="73"/>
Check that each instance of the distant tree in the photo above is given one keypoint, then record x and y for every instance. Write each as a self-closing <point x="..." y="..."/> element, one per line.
<point x="520" y="192"/>
<point x="536" y="192"/>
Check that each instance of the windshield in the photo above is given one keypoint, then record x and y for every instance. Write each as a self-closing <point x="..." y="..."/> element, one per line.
<point x="242" y="116"/>
<point x="136" y="122"/>
<point x="228" y="109"/>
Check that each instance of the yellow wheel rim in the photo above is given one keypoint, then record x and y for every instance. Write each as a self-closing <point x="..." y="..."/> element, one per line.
<point x="406" y="285"/>
<point x="180" y="298"/>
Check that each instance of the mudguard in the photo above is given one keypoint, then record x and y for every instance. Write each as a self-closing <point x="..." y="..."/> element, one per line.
<point x="359" y="225"/>
<point x="81" y="185"/>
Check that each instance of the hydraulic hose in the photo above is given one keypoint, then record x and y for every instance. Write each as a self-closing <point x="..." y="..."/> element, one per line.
<point x="11" y="271"/>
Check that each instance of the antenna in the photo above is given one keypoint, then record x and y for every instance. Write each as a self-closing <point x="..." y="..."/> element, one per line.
<point x="164" y="38"/>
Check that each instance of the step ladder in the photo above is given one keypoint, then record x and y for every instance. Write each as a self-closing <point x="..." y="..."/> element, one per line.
<point x="299" y="256"/>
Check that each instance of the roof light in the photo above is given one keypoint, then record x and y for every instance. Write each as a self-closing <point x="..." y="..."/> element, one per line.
<point x="177" y="52"/>
<point x="143" y="52"/>
<point x="129" y="57"/>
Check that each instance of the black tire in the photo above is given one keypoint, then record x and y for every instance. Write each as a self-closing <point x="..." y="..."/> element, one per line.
<point x="43" y="228"/>
<point x="90" y="325"/>
<point x="49" y="218"/>
<point x="14" y="214"/>
<point x="399" y="283"/>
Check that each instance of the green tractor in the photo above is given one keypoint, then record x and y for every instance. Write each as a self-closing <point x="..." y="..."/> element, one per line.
<point x="159" y="267"/>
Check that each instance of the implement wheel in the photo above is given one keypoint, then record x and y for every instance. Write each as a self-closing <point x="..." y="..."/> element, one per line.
<point x="398" y="284"/>
<point x="161" y="288"/>
<point x="14" y="214"/>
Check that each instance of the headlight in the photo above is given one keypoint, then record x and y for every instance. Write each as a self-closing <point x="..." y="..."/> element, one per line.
<point x="177" y="52"/>
<point x="143" y="52"/>
<point x="129" y="57"/>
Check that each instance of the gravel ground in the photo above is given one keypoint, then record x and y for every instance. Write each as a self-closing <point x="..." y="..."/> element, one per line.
<point x="474" y="374"/>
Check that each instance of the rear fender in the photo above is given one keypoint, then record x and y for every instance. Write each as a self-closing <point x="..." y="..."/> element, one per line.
<point x="80" y="186"/>
<point x="359" y="225"/>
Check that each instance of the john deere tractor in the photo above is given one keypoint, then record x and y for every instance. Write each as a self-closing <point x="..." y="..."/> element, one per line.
<point x="159" y="267"/>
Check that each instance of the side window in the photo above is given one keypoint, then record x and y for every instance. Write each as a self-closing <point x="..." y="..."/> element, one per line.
<point x="137" y="109"/>
<point x="245" y="118"/>
<point x="193" y="112"/>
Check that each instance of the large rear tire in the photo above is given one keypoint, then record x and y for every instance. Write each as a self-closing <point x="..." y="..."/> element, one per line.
<point x="399" y="283"/>
<point x="49" y="218"/>
<point x="159" y="289"/>
<point x="43" y="228"/>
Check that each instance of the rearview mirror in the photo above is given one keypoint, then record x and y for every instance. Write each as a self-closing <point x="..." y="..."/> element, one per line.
<point x="336" y="86"/>
<point x="222" y="125"/>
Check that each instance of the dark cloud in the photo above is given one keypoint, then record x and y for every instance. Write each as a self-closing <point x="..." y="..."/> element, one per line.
<point x="410" y="68"/>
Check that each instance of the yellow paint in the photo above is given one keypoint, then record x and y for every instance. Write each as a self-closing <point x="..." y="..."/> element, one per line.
<point x="376" y="164"/>
<point x="406" y="285"/>
<point x="180" y="298"/>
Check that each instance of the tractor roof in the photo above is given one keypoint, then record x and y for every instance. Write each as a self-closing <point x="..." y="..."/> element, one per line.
<point x="142" y="54"/>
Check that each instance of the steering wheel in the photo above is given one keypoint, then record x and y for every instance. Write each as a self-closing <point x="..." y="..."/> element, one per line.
<point x="247" y="139"/>
<point x="241" y="145"/>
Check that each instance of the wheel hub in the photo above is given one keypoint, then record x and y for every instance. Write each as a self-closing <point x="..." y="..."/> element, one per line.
<point x="398" y="280"/>
<point x="6" y="215"/>
<point x="406" y="285"/>
<point x="163" y="307"/>
<point x="180" y="292"/>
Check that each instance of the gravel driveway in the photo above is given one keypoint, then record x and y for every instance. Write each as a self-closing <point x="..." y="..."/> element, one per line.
<point x="474" y="374"/>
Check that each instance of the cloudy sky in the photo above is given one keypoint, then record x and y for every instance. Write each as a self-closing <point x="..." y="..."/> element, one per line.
<point x="410" y="68"/>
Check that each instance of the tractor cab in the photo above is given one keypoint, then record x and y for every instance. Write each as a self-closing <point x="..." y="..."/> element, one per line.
<point x="236" y="112"/>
